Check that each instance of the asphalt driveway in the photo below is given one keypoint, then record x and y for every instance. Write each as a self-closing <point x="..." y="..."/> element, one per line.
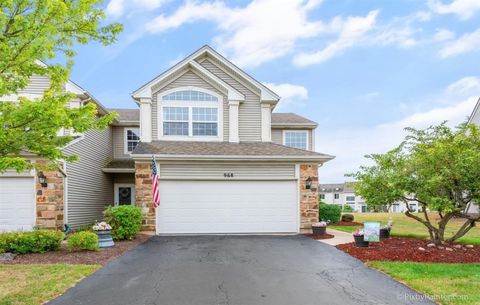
<point x="237" y="270"/>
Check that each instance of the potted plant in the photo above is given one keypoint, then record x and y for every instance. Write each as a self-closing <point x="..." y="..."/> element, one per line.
<point x="319" y="228"/>
<point x="103" y="231"/>
<point x="385" y="231"/>
<point x="358" y="236"/>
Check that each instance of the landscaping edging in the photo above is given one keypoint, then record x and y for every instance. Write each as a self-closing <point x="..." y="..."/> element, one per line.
<point x="63" y="256"/>
<point x="412" y="250"/>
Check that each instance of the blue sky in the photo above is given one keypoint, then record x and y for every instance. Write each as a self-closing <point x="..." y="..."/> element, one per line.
<point x="362" y="69"/>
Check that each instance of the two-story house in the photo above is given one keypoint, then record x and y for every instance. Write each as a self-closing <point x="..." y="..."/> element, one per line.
<point x="226" y="163"/>
<point x="342" y="194"/>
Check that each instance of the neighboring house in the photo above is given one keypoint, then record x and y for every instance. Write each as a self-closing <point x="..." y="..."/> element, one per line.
<point x="342" y="194"/>
<point x="475" y="119"/>
<point x="226" y="163"/>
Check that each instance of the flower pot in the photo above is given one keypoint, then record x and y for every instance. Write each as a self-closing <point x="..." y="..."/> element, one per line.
<point x="105" y="239"/>
<point x="384" y="233"/>
<point x="319" y="231"/>
<point x="359" y="242"/>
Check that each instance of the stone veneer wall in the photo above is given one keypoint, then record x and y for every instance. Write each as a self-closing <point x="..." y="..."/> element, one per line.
<point x="143" y="194"/>
<point x="308" y="197"/>
<point x="50" y="201"/>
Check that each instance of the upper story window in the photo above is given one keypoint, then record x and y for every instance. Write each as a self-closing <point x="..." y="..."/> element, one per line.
<point x="322" y="196"/>
<point x="336" y="196"/>
<point x="296" y="139"/>
<point x="350" y="198"/>
<point x="191" y="114"/>
<point x="132" y="137"/>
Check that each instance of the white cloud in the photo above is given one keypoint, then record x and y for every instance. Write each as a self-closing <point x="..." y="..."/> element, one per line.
<point x="469" y="85"/>
<point x="261" y="31"/>
<point x="116" y="8"/>
<point x="351" y="145"/>
<point x="292" y="95"/>
<point x="443" y="35"/>
<point x="468" y="42"/>
<point x="465" y="9"/>
<point x="353" y="29"/>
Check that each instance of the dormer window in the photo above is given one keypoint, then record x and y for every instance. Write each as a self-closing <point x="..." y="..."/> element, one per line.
<point x="132" y="137"/>
<point x="190" y="114"/>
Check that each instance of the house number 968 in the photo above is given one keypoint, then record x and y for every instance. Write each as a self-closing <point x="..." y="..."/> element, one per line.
<point x="228" y="175"/>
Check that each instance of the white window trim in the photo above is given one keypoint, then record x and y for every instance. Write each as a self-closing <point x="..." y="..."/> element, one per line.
<point x="125" y="142"/>
<point x="115" y="191"/>
<point x="190" y="104"/>
<point x="293" y="130"/>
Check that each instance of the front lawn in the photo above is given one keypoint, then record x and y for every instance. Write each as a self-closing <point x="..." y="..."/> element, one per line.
<point x="448" y="284"/>
<point x="35" y="284"/>
<point x="407" y="227"/>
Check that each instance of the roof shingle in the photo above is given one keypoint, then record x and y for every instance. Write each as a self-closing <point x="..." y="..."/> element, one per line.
<point x="215" y="149"/>
<point x="127" y="115"/>
<point x="290" y="119"/>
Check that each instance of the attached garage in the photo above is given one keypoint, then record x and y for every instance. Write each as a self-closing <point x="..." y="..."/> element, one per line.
<point x="227" y="198"/>
<point x="227" y="207"/>
<point x="17" y="203"/>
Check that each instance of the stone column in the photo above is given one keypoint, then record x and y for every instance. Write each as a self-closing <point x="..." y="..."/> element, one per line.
<point x="308" y="197"/>
<point x="143" y="194"/>
<point x="49" y="201"/>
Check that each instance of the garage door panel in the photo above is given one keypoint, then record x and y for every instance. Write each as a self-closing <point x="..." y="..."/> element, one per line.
<point x="17" y="203"/>
<point x="227" y="207"/>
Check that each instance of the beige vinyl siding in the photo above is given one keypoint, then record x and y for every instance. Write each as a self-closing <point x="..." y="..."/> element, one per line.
<point x="240" y="171"/>
<point x="119" y="142"/>
<point x="89" y="189"/>
<point x="187" y="79"/>
<point x="37" y="85"/>
<point x="277" y="136"/>
<point x="250" y="120"/>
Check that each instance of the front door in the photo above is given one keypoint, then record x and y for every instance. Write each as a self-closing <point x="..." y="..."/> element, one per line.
<point x="124" y="194"/>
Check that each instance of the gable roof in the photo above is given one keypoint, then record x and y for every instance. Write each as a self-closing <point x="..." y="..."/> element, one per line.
<point x="224" y="151"/>
<point x="475" y="113"/>
<point x="290" y="119"/>
<point x="126" y="115"/>
<point x="189" y="61"/>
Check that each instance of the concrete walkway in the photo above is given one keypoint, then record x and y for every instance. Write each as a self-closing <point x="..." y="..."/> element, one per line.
<point x="340" y="238"/>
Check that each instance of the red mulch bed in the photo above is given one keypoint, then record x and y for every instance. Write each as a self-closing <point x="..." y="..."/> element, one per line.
<point x="63" y="256"/>
<point x="324" y="236"/>
<point x="348" y="224"/>
<point x="399" y="249"/>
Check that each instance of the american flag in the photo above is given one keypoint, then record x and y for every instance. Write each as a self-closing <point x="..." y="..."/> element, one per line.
<point x="155" y="190"/>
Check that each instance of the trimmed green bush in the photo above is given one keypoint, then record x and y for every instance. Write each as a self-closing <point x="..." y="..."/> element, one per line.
<point x="37" y="241"/>
<point x="347" y="209"/>
<point x="348" y="217"/>
<point x="125" y="220"/>
<point x="329" y="212"/>
<point x="83" y="240"/>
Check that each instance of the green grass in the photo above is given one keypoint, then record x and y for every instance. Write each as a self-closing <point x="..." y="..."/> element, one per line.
<point x="35" y="284"/>
<point x="348" y="229"/>
<point x="407" y="227"/>
<point x="449" y="284"/>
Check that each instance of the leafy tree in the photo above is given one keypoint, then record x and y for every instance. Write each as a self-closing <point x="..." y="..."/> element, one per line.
<point x="437" y="167"/>
<point x="33" y="32"/>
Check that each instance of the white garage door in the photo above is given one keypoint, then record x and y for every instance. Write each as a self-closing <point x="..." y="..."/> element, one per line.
<point x="227" y="207"/>
<point x="17" y="203"/>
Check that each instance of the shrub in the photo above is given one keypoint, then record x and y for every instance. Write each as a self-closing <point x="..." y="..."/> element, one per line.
<point x="329" y="212"/>
<point x="85" y="227"/>
<point x="83" y="240"/>
<point x="37" y="241"/>
<point x="348" y="217"/>
<point x="125" y="220"/>
<point x="347" y="209"/>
